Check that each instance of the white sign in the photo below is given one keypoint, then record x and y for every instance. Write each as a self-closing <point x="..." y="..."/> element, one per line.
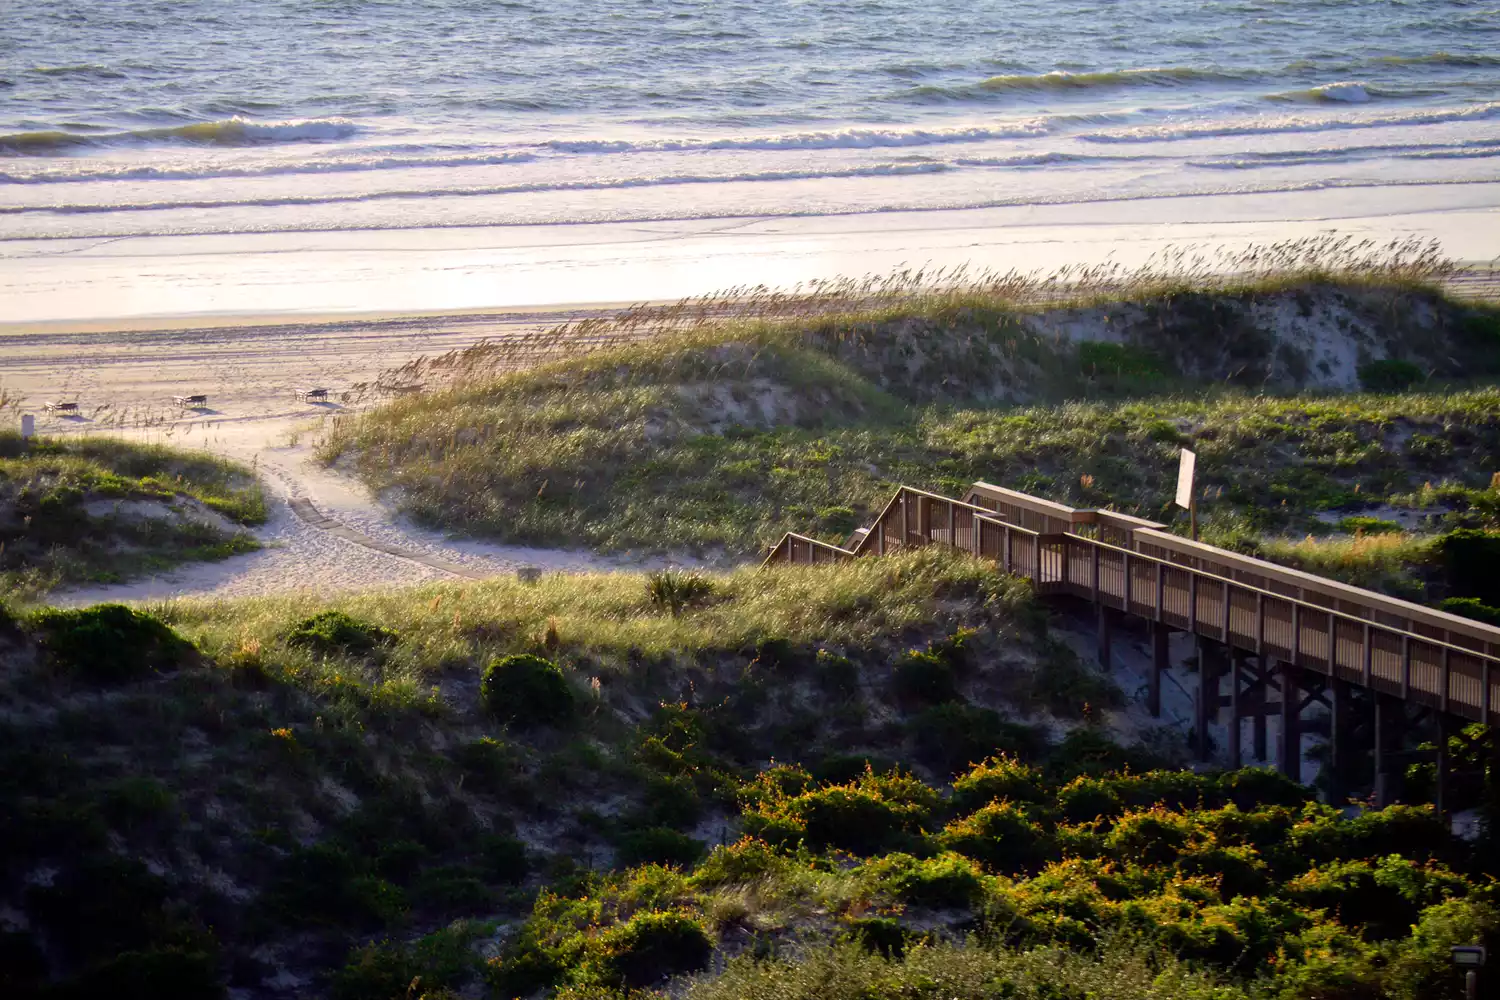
<point x="28" y="427"/>
<point x="1185" y="479"/>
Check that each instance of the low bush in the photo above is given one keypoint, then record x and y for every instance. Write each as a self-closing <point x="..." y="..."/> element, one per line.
<point x="1469" y="558"/>
<point x="658" y="845"/>
<point x="1389" y="375"/>
<point x="109" y="643"/>
<point x="1471" y="607"/>
<point x="337" y="633"/>
<point x="1001" y="837"/>
<point x="526" y="690"/>
<point x="651" y="946"/>
<point x="946" y="881"/>
<point x="922" y="677"/>
<point x="952" y="737"/>
<point x="676" y="590"/>
<point x="998" y="779"/>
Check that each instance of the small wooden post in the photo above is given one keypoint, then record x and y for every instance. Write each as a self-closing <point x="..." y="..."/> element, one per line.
<point x="1339" y="693"/>
<point x="1160" y="661"/>
<point x="1289" y="753"/>
<point x="1201" y="703"/>
<point x="1104" y="636"/>
<point x="1388" y="719"/>
<point x="1234" y="708"/>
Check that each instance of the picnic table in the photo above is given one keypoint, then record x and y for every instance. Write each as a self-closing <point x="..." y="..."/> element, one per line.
<point x="60" y="407"/>
<point x="312" y="395"/>
<point x="190" y="402"/>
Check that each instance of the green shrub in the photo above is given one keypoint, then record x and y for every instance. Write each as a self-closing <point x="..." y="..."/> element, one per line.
<point x="923" y="678"/>
<point x="1470" y="557"/>
<point x="526" y="690"/>
<point x="1001" y="837"/>
<point x="109" y="643"/>
<point x="747" y="860"/>
<point x="950" y="738"/>
<point x="996" y="779"/>
<point x="1471" y="607"/>
<point x="652" y="946"/>
<point x="504" y="859"/>
<point x="336" y="633"/>
<point x="945" y="881"/>
<point x="1389" y="375"/>
<point x="658" y="845"/>
<point x="1360" y="525"/>
<point x="839" y="521"/>
<point x="837" y="676"/>
<point x="881" y="936"/>
<point x="155" y="974"/>
<point x="851" y="819"/>
<point x="1098" y="357"/>
<point x="675" y="590"/>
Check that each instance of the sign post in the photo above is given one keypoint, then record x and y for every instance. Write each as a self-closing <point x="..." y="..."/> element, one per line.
<point x="1187" y="496"/>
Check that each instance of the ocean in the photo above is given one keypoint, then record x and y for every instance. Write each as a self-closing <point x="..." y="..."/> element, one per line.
<point x="158" y="117"/>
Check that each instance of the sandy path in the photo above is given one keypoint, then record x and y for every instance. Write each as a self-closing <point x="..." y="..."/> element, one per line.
<point x="326" y="532"/>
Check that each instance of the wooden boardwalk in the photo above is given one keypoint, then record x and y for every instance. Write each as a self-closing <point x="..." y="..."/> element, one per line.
<point x="1309" y="636"/>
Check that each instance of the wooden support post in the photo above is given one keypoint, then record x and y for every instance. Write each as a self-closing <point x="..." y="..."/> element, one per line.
<point x="1161" y="592"/>
<point x="1339" y="724"/>
<point x="1009" y="546"/>
<point x="952" y="525"/>
<point x="1442" y="799"/>
<point x="905" y="520"/>
<point x="1235" y="664"/>
<point x="1104" y="636"/>
<point x="1289" y="752"/>
<point x="1095" y="550"/>
<point x="1160" y="661"/>
<point x="1389" y="712"/>
<point x="1207" y="694"/>
<point x="1258" y="725"/>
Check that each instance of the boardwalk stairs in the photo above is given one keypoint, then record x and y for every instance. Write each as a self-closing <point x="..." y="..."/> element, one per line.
<point x="1381" y="667"/>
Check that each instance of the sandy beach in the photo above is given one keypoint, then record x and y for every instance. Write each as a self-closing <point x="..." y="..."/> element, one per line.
<point x="121" y="327"/>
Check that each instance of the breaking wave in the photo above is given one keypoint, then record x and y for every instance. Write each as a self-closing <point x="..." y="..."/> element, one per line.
<point x="229" y="132"/>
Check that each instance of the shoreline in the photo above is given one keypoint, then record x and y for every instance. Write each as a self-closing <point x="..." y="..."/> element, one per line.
<point x="153" y="283"/>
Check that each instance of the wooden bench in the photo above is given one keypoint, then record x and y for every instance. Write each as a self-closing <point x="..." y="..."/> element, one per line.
<point x="312" y="395"/>
<point x="60" y="407"/>
<point x="190" y="402"/>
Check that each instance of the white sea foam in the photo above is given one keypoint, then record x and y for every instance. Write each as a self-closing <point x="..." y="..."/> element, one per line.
<point x="852" y="138"/>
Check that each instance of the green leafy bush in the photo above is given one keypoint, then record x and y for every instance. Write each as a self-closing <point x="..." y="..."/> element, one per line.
<point x="109" y="643"/>
<point x="1471" y="607"/>
<point x="658" y="845"/>
<point x="1389" y="375"/>
<point x="1470" y="557"/>
<point x="1361" y="525"/>
<point x="947" y="880"/>
<point x="952" y="737"/>
<point x="526" y="690"/>
<point x="922" y="677"/>
<point x="676" y="590"/>
<point x="1001" y="837"/>
<point x="652" y="946"/>
<point x="996" y="779"/>
<point x="337" y="633"/>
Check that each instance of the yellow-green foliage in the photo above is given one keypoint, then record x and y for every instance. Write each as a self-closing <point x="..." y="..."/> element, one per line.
<point x="49" y="536"/>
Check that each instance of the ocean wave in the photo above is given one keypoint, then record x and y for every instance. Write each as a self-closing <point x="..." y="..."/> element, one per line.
<point x="1062" y="81"/>
<point x="1439" y="59"/>
<point x="1343" y="92"/>
<point x="84" y="171"/>
<point x="82" y="69"/>
<point x="1043" y="160"/>
<point x="1172" y="133"/>
<point x="603" y="184"/>
<point x="228" y="132"/>
<point x="855" y="138"/>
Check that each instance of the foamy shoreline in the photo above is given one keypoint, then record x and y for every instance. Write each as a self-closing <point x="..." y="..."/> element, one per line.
<point x="155" y="282"/>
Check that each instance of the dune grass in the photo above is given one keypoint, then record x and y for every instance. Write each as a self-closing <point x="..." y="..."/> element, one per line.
<point x="715" y="424"/>
<point x="70" y="510"/>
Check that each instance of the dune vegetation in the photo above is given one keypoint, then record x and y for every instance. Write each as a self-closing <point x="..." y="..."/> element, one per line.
<point x="1318" y="386"/>
<point x="99" y="510"/>
<point x="880" y="779"/>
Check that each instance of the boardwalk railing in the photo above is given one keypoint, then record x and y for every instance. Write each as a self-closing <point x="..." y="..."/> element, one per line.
<point x="1392" y="647"/>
